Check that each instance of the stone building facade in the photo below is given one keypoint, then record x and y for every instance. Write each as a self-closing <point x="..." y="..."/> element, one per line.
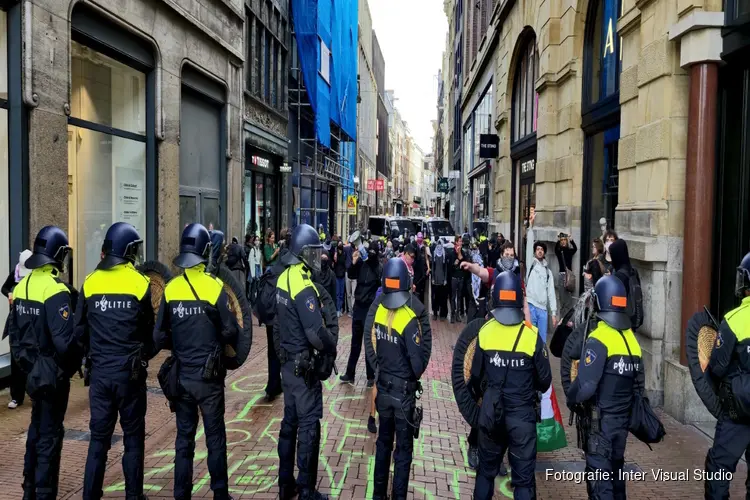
<point x="597" y="104"/>
<point x="134" y="112"/>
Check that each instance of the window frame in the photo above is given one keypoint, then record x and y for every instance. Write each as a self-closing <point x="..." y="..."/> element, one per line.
<point x="104" y="36"/>
<point x="267" y="82"/>
<point x="593" y="112"/>
<point x="524" y="91"/>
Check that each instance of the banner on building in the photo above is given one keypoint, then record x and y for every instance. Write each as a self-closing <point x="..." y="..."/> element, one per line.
<point x="443" y="186"/>
<point x="489" y="145"/>
<point x="379" y="184"/>
<point x="371" y="184"/>
<point x="351" y="204"/>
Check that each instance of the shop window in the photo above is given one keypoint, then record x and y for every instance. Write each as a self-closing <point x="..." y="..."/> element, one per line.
<point x="603" y="52"/>
<point x="525" y="98"/>
<point x="106" y="152"/>
<point x="482" y="123"/>
<point x="604" y="179"/>
<point x="467" y="145"/>
<point x="4" y="167"/>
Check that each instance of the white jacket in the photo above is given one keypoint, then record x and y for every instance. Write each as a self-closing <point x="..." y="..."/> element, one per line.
<point x="540" y="282"/>
<point x="254" y="259"/>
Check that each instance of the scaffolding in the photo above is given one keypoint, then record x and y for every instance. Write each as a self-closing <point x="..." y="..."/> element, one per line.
<point x="318" y="162"/>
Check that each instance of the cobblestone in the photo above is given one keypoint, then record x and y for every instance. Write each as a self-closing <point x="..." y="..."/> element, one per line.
<point x="346" y="463"/>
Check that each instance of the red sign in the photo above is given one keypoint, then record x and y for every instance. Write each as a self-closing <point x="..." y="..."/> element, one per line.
<point x="380" y="185"/>
<point x="371" y="184"/>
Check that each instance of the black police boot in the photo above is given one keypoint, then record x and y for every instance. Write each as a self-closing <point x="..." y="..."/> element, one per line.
<point x="345" y="379"/>
<point x="287" y="492"/>
<point x="312" y="495"/>
<point x="371" y="426"/>
<point x="370" y="383"/>
<point x="473" y="457"/>
<point x="29" y="490"/>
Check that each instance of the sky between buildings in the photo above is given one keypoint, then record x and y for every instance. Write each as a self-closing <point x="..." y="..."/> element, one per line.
<point x="411" y="34"/>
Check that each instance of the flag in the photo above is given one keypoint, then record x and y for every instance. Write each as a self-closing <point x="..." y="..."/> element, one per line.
<point x="550" y="433"/>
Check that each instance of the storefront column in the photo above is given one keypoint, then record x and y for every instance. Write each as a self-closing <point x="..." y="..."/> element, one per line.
<point x="700" y="49"/>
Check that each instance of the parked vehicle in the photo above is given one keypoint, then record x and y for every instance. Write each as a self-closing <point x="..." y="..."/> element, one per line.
<point x="390" y="226"/>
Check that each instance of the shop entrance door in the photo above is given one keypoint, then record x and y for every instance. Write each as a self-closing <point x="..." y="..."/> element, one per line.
<point x="264" y="204"/>
<point x="526" y="200"/>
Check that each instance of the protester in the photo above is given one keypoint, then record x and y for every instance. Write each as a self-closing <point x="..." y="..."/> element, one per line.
<point x="235" y="261"/>
<point x="270" y="249"/>
<point x="439" y="282"/>
<point x="540" y="284"/>
<point x="17" y="376"/>
<point x="565" y="249"/>
<point x="339" y="270"/>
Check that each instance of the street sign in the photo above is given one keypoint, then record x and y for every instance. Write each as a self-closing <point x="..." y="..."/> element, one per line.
<point x="379" y="184"/>
<point x="370" y="184"/>
<point x="443" y="186"/>
<point x="489" y="145"/>
<point x="351" y="204"/>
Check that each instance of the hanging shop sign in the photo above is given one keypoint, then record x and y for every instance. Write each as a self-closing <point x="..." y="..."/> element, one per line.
<point x="285" y="169"/>
<point x="454" y="174"/>
<point x="489" y="145"/>
<point x="443" y="186"/>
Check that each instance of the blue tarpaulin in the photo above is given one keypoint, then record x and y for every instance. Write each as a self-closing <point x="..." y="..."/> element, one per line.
<point x="334" y="23"/>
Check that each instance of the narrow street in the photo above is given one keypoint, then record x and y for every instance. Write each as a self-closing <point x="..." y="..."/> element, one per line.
<point x="347" y="450"/>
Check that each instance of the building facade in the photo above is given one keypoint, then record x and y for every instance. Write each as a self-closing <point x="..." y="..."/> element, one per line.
<point x="612" y="114"/>
<point x="367" y="115"/>
<point x="267" y="192"/>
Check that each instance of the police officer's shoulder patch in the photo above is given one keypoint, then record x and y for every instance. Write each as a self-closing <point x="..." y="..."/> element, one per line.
<point x="719" y="339"/>
<point x="544" y="351"/>
<point x="417" y="337"/>
<point x="64" y="312"/>
<point x="590" y="357"/>
<point x="310" y="304"/>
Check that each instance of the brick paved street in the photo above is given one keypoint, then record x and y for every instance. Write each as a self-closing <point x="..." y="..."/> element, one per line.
<point x="347" y="449"/>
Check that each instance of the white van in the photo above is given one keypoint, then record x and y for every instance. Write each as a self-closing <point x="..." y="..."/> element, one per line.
<point x="439" y="228"/>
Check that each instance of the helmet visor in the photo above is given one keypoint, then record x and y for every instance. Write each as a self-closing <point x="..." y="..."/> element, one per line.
<point x="311" y="256"/>
<point x="135" y="252"/>
<point x="741" y="282"/>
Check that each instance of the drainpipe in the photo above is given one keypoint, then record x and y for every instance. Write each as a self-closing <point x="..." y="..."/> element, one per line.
<point x="30" y="99"/>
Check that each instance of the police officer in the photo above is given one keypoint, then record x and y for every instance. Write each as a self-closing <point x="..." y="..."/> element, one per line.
<point x="730" y="358"/>
<point x="115" y="324"/>
<point x="606" y="377"/>
<point x="195" y="320"/>
<point x="402" y="352"/>
<point x="510" y="364"/>
<point x="368" y="275"/>
<point x="303" y="341"/>
<point x="42" y="336"/>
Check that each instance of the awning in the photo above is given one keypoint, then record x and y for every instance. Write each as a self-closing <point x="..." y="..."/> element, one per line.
<point x="483" y="167"/>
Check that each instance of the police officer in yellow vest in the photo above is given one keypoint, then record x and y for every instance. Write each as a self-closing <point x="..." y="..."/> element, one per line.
<point x="195" y="322"/>
<point x="728" y="366"/>
<point x="115" y="324"/>
<point x="304" y="343"/>
<point x="510" y="365"/>
<point x="610" y="366"/>
<point x="402" y="352"/>
<point x="42" y="337"/>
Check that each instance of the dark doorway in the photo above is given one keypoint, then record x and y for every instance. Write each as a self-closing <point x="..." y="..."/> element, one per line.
<point x="732" y="220"/>
<point x="332" y="205"/>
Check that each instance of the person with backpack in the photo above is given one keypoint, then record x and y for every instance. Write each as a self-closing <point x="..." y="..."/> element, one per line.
<point x="17" y="376"/>
<point x="254" y="265"/>
<point x="565" y="249"/>
<point x="624" y="270"/>
<point x="265" y="310"/>
<point x="540" y="284"/>
<point x="236" y="261"/>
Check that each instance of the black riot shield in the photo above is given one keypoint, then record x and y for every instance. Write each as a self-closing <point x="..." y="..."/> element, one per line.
<point x="328" y="311"/>
<point x="700" y="338"/>
<point x="159" y="275"/>
<point x="235" y="356"/>
<point x="463" y="357"/>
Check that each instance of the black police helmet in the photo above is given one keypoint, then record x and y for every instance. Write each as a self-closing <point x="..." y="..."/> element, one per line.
<point x="305" y="247"/>
<point x="507" y="297"/>
<point x="396" y="284"/>
<point x="742" y="281"/>
<point x="122" y="243"/>
<point x="612" y="302"/>
<point x="50" y="247"/>
<point x="195" y="246"/>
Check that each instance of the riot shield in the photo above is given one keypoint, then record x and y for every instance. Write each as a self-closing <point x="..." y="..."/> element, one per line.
<point x="235" y="356"/>
<point x="463" y="357"/>
<point x="700" y="338"/>
<point x="159" y="275"/>
<point x="328" y="311"/>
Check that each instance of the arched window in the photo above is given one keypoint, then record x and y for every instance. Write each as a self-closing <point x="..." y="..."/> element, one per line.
<point x="603" y="54"/>
<point x="525" y="99"/>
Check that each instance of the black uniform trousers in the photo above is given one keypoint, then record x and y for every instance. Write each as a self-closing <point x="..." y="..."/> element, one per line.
<point x="457" y="297"/>
<point x="110" y="394"/>
<point x="606" y="453"/>
<point x="273" y="387"/>
<point x="41" y="467"/>
<point x="300" y="428"/>
<point x="394" y="408"/>
<point x="358" y="330"/>
<point x="421" y="289"/>
<point x="731" y="441"/>
<point x="440" y="300"/>
<point x="519" y="440"/>
<point x="17" y="382"/>
<point x="208" y="396"/>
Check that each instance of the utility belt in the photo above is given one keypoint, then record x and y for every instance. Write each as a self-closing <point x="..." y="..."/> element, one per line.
<point x="311" y="365"/>
<point x="390" y="383"/>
